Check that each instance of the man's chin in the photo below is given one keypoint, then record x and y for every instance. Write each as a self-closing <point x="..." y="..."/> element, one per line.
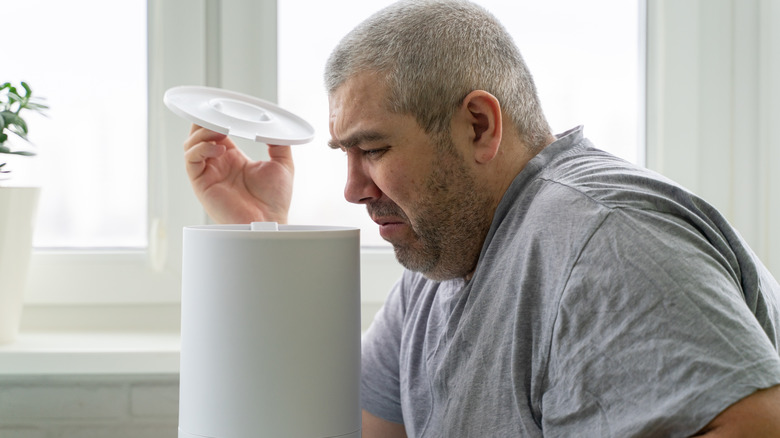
<point x="415" y="260"/>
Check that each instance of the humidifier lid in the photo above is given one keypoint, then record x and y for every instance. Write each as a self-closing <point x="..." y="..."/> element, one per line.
<point x="241" y="115"/>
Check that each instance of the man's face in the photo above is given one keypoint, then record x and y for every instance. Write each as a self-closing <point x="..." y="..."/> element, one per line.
<point x="417" y="188"/>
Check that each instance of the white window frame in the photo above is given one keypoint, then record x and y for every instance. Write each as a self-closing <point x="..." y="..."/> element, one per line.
<point x="723" y="152"/>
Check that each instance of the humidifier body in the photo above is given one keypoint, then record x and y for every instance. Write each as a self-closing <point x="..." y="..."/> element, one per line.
<point x="270" y="332"/>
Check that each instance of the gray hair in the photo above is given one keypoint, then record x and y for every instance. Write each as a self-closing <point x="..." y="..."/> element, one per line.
<point x="432" y="54"/>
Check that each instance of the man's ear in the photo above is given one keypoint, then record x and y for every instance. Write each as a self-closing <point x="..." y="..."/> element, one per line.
<point x="482" y="112"/>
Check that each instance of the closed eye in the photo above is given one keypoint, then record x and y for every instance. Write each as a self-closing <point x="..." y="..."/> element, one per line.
<point x="374" y="153"/>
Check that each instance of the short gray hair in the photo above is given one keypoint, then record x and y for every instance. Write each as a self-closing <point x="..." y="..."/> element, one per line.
<point x="432" y="54"/>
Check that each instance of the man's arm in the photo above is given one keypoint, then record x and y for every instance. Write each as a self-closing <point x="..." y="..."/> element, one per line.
<point x="757" y="415"/>
<point x="375" y="427"/>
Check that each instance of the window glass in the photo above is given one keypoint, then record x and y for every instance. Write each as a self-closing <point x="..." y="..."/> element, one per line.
<point x="584" y="57"/>
<point x="88" y="58"/>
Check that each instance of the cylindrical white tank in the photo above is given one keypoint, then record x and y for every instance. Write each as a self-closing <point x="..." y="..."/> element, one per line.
<point x="270" y="332"/>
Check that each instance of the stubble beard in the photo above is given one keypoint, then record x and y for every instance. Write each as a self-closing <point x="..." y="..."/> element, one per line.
<point x="449" y="223"/>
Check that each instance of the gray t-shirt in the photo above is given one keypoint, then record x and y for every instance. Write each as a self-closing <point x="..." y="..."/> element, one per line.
<point x="607" y="301"/>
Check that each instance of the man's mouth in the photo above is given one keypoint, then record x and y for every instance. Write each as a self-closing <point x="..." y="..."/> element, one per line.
<point x="390" y="219"/>
<point x="386" y="221"/>
<point x="389" y="227"/>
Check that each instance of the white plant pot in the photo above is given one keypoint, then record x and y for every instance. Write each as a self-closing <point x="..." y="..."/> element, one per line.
<point x="18" y="206"/>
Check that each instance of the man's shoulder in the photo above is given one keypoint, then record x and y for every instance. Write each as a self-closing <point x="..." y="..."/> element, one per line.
<point x="607" y="179"/>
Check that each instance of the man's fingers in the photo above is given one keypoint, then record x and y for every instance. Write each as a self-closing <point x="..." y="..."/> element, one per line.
<point x="195" y="157"/>
<point x="199" y="135"/>
<point x="282" y="154"/>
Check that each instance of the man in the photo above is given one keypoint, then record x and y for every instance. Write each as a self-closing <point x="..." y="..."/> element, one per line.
<point x="551" y="289"/>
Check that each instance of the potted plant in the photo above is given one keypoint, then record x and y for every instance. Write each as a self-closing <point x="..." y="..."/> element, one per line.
<point x="18" y="205"/>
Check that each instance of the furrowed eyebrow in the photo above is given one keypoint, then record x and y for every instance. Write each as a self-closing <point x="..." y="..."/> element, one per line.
<point x="357" y="139"/>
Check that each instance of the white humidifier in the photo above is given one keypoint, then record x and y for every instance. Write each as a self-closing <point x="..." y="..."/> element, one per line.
<point x="270" y="318"/>
<point x="270" y="336"/>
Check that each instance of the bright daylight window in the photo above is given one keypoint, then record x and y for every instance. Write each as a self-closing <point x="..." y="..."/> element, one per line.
<point x="88" y="58"/>
<point x="584" y="55"/>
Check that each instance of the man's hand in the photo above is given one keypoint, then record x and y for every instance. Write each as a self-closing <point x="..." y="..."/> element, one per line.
<point x="234" y="189"/>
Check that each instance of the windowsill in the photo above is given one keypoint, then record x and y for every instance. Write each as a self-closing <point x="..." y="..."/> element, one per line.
<point x="135" y="338"/>
<point x="73" y="352"/>
<point x="101" y="340"/>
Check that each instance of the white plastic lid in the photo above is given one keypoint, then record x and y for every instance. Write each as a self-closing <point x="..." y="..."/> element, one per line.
<point x="231" y="113"/>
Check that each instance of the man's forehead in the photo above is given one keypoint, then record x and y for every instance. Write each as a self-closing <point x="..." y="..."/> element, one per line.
<point x="359" y="88"/>
<point x="355" y="106"/>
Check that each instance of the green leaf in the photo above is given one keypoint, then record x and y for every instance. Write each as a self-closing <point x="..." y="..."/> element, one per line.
<point x="14" y="123"/>
<point x="27" y="90"/>
<point x="6" y="150"/>
<point x="19" y="127"/>
<point x="37" y="106"/>
<point x="18" y="131"/>
<point x="12" y="102"/>
<point x="15" y="99"/>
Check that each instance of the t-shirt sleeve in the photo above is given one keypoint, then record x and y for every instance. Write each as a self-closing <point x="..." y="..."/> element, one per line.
<point x="652" y="336"/>
<point x="380" y="392"/>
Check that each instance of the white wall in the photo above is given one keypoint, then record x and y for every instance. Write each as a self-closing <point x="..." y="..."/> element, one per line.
<point x="89" y="407"/>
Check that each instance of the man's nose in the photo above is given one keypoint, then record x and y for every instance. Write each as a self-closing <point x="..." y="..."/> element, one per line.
<point x="360" y="188"/>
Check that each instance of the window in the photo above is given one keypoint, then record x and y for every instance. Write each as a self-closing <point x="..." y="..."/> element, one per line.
<point x="90" y="65"/>
<point x="138" y="260"/>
